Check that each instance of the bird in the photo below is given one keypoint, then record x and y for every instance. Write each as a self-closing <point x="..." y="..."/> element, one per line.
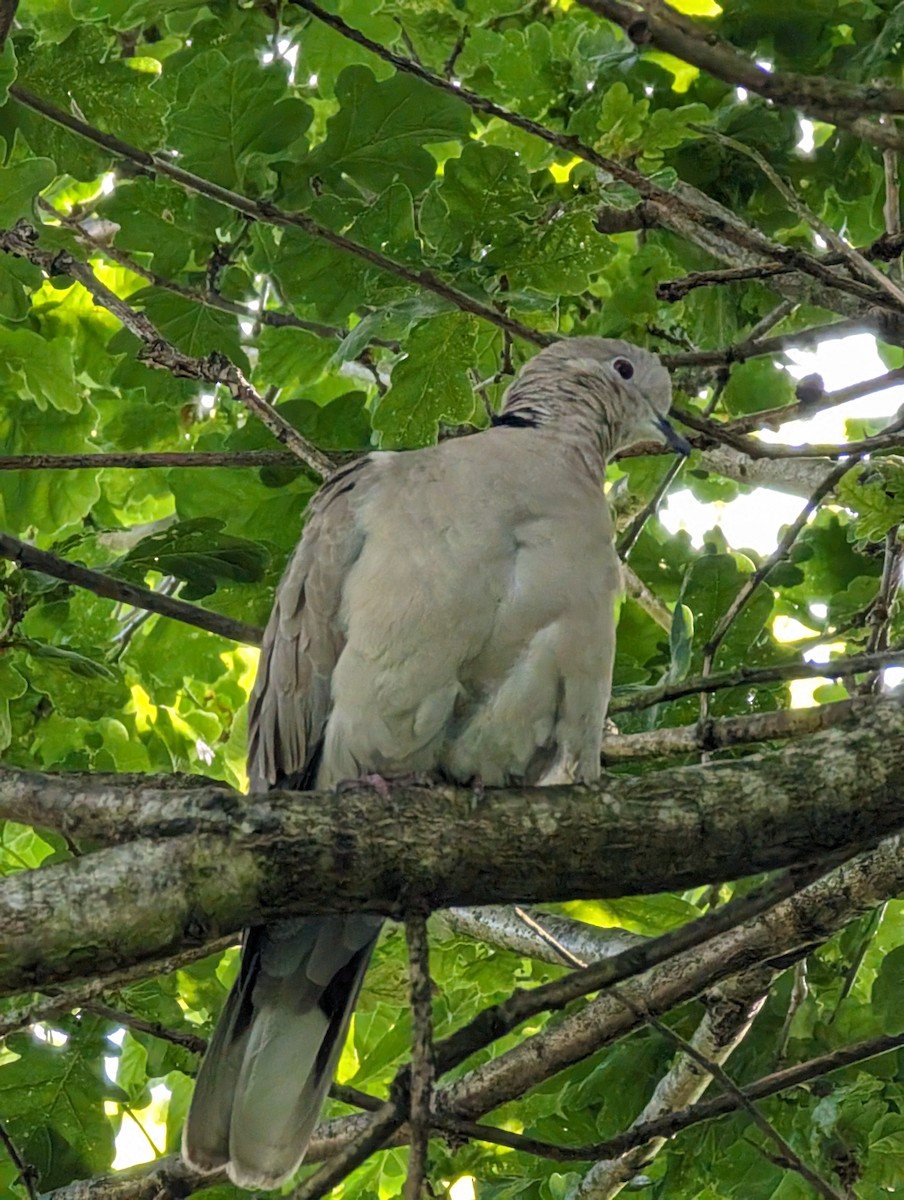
<point x="449" y="613"/>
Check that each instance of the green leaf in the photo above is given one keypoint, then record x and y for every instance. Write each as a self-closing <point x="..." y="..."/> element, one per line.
<point x="342" y="424"/>
<point x="78" y="664"/>
<point x="40" y="368"/>
<point x="479" y="197"/>
<point x="7" y="69"/>
<point x="681" y="637"/>
<point x="53" y="1104"/>
<point x="20" y="184"/>
<point x="562" y="256"/>
<point x="234" y="117"/>
<point x="431" y="385"/>
<point x="379" y="131"/>
<point x="111" y="94"/>
<point x="197" y="552"/>
<point x="875" y="492"/>
<point x="44" y="501"/>
<point x="515" y="66"/>
<point x="710" y="586"/>
<point x="191" y="327"/>
<point x="886" y="995"/>
<point x="755" y="386"/>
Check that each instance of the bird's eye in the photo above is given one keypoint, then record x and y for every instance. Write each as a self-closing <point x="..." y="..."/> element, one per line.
<point x="624" y="368"/>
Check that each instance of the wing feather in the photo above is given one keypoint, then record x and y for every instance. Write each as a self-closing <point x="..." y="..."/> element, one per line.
<point x="291" y="700"/>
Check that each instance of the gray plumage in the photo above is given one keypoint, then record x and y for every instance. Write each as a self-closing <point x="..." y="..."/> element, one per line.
<point x="448" y="611"/>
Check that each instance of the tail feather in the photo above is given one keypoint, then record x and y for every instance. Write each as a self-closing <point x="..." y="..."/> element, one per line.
<point x="272" y="1057"/>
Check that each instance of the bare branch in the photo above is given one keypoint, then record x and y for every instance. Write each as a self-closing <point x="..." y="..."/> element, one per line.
<point x="210" y="862"/>
<point x="806" y="920"/>
<point x="788" y="1154"/>
<point x="835" y="668"/>
<point x="7" y="17"/>
<point x="149" y="1182"/>
<point x="886" y="248"/>
<point x="209" y="299"/>
<point x="31" y="559"/>
<point x="720" y="1032"/>
<point x="786" y="541"/>
<point x="727" y="732"/>
<point x="493" y="1022"/>
<point x="146" y="460"/>
<point x="500" y="926"/>
<point x="188" y="1041"/>
<point x="374" y="1135"/>
<point x="858" y="263"/>
<point x="641" y="594"/>
<point x="815" y="400"/>
<point x="421" y="1054"/>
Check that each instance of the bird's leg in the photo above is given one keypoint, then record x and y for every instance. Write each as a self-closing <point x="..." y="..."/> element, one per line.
<point x="383" y="784"/>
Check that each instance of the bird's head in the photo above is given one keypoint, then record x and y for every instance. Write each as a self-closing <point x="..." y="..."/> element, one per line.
<point x="626" y="389"/>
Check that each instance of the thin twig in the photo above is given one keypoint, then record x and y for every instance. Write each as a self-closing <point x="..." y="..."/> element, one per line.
<point x="421" y="1053"/>
<point x="815" y="400"/>
<point x="266" y="211"/>
<point x="873" y="921"/>
<point x="729" y="732"/>
<point x="192" y="1042"/>
<point x="149" y="460"/>
<point x="493" y="1022"/>
<point x="855" y="261"/>
<point x="788" y="1154"/>
<point x="209" y="299"/>
<point x="787" y="540"/>
<point x="7" y="17"/>
<point x="32" y="559"/>
<point x="383" y="1124"/>
<point x="28" y="1174"/>
<point x="629" y="538"/>
<point x="800" y="989"/>
<point x="879" y="616"/>
<point x="761" y="347"/>
<point x="158" y="352"/>
<point x="892" y="208"/>
<point x="887" y="248"/>
<point x="835" y="668"/>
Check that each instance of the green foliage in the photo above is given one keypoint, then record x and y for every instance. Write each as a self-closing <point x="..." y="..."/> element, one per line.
<point x="269" y="103"/>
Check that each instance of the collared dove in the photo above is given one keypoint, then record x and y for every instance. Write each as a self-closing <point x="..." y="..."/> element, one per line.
<point x="448" y="611"/>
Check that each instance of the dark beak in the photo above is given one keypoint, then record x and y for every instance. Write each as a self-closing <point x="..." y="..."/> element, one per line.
<point x="672" y="438"/>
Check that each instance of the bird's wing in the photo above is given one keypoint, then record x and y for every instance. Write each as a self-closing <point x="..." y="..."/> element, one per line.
<point x="270" y="1062"/>
<point x="290" y="703"/>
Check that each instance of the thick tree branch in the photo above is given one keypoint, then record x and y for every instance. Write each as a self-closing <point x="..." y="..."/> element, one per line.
<point x="808" y="919"/>
<point x="146" y="460"/>
<point x="500" y="926"/>
<point x="830" y="100"/>
<point x="209" y="862"/>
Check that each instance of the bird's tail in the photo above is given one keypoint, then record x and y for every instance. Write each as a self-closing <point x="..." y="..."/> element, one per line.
<point x="272" y="1056"/>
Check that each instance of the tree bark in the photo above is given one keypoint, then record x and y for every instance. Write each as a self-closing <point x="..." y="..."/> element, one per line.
<point x="196" y="864"/>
